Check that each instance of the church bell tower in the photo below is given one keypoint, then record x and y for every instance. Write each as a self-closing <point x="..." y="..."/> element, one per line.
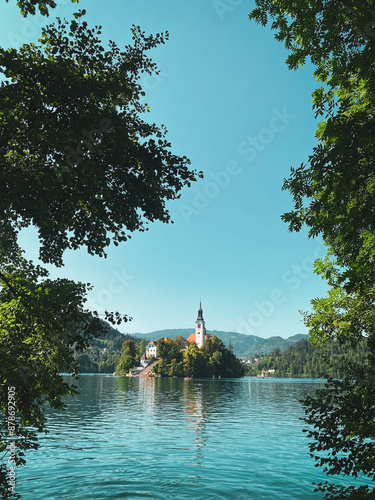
<point x="200" y="329"/>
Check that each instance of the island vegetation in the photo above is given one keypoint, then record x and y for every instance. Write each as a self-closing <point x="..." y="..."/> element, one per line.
<point x="211" y="360"/>
<point x="178" y="358"/>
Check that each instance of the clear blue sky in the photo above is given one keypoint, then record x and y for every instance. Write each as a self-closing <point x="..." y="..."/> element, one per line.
<point x="231" y="105"/>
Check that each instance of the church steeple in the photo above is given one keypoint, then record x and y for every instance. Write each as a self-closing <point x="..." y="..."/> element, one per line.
<point x="200" y="312"/>
<point x="200" y="328"/>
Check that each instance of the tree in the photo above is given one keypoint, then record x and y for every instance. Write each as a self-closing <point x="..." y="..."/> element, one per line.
<point x="305" y="359"/>
<point x="176" y="368"/>
<point x="193" y="361"/>
<point x="77" y="161"/>
<point x="142" y="347"/>
<point x="128" y="358"/>
<point x="179" y="343"/>
<point x="342" y="420"/>
<point x="334" y="197"/>
<point x="214" y="344"/>
<point x="179" y="358"/>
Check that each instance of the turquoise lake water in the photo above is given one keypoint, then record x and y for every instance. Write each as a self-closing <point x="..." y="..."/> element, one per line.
<point x="139" y="438"/>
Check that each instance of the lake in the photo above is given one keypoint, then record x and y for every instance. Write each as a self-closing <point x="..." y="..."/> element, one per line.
<point x="140" y="438"/>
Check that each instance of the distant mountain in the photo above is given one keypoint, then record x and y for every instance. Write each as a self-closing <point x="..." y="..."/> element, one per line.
<point x="266" y="346"/>
<point x="171" y="333"/>
<point x="244" y="346"/>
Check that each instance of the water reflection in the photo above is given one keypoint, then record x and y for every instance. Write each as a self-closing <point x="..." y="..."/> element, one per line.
<point x="196" y="416"/>
<point x="158" y="399"/>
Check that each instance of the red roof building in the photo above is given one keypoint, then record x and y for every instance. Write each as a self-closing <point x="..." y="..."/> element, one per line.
<point x="191" y="338"/>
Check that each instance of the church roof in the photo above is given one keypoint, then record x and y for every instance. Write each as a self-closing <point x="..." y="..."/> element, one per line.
<point x="191" y="337"/>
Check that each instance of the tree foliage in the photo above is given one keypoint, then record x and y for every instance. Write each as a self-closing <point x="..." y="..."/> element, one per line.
<point x="342" y="420"/>
<point x="42" y="323"/>
<point x="337" y="183"/>
<point x="31" y="6"/>
<point x="103" y="354"/>
<point x="211" y="360"/>
<point x="128" y="358"/>
<point x="77" y="160"/>
<point x="334" y="196"/>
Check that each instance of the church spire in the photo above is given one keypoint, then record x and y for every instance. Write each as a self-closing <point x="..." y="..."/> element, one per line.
<point x="200" y="329"/>
<point x="200" y="312"/>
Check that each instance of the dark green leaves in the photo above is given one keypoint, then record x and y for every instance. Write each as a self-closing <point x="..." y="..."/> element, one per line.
<point x="78" y="161"/>
<point x="341" y="420"/>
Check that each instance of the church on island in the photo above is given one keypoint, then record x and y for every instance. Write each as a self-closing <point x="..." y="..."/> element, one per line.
<point x="200" y="355"/>
<point x="199" y="336"/>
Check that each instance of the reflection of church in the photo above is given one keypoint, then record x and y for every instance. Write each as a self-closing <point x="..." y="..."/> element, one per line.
<point x="197" y="414"/>
<point x="199" y="337"/>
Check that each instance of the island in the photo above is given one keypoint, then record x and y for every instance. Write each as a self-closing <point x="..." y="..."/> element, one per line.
<point x="180" y="357"/>
<point x="200" y="355"/>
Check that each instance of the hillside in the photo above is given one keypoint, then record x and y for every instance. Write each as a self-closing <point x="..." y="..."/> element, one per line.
<point x="266" y="346"/>
<point x="304" y="360"/>
<point x="104" y="353"/>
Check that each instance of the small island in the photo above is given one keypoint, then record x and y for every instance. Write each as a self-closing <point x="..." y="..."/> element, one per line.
<point x="200" y="355"/>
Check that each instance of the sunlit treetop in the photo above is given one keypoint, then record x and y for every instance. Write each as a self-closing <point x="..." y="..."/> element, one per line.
<point x="31" y="6"/>
<point x="338" y="36"/>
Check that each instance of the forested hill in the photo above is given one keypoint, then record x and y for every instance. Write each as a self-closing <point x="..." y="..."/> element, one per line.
<point x="104" y="353"/>
<point x="303" y="360"/>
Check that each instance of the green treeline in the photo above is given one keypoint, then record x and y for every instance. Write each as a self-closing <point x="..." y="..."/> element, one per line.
<point x="304" y="360"/>
<point x="213" y="360"/>
<point x="130" y="356"/>
<point x="104" y="353"/>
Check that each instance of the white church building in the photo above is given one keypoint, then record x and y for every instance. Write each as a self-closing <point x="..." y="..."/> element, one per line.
<point x="200" y="335"/>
